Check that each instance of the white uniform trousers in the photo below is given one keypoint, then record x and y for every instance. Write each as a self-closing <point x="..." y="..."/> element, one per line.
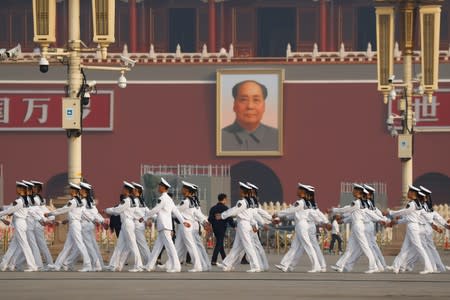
<point x="33" y="244"/>
<point x="349" y="249"/>
<point x="242" y="241"/>
<point x="39" y="233"/>
<point x="433" y="254"/>
<point x="264" y="263"/>
<point x="114" y="260"/>
<point x="90" y="242"/>
<point x="19" y="246"/>
<point x="128" y="231"/>
<point x="315" y="243"/>
<point x="74" y="240"/>
<point x="359" y="241"/>
<point x="18" y="260"/>
<point x="260" y="252"/>
<point x="206" y="264"/>
<point x="185" y="241"/>
<point x="141" y="241"/>
<point x="301" y="243"/>
<point x="164" y="239"/>
<point x="179" y="243"/>
<point x="413" y="243"/>
<point x="369" y="229"/>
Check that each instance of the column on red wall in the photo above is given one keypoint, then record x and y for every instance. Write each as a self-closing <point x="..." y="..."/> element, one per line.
<point x="132" y="47"/>
<point x="211" y="26"/>
<point x="142" y="44"/>
<point x="332" y="26"/>
<point x="222" y="25"/>
<point x="323" y="25"/>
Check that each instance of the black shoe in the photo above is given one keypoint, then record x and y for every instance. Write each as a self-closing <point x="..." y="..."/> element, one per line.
<point x="213" y="263"/>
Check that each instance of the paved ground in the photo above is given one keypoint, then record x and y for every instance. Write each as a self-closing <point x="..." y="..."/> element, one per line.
<point x="235" y="285"/>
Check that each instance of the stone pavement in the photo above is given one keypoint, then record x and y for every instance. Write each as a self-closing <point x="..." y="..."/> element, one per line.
<point x="234" y="285"/>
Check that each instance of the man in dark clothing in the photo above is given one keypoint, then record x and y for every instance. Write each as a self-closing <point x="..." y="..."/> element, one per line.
<point x="115" y="224"/>
<point x="219" y="226"/>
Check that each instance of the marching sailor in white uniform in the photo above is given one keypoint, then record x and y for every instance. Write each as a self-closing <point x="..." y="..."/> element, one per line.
<point x="127" y="238"/>
<point x="302" y="238"/>
<point x="89" y="219"/>
<point x="358" y="235"/>
<point x="164" y="210"/>
<point x="74" y="209"/>
<point x="202" y="220"/>
<point x="19" y="243"/>
<point x="185" y="240"/>
<point x="245" y="228"/>
<point x="412" y="215"/>
<point x="39" y="229"/>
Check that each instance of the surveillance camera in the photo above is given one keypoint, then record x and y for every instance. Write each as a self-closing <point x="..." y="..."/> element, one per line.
<point x="85" y="98"/>
<point x="390" y="120"/>
<point x="391" y="78"/>
<point x="3" y="54"/>
<point x="14" y="52"/>
<point x="127" y="61"/>
<point x="393" y="132"/>
<point x="420" y="90"/>
<point x="393" y="94"/>
<point x="91" y="84"/>
<point x="43" y="65"/>
<point x="122" y="82"/>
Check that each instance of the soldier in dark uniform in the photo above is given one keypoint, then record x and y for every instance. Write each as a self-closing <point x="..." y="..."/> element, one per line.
<point x="247" y="133"/>
<point x="219" y="227"/>
<point x="115" y="224"/>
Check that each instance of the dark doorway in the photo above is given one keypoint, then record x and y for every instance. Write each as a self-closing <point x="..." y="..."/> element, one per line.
<point x="182" y="29"/>
<point x="260" y="175"/>
<point x="438" y="183"/>
<point x="366" y="28"/>
<point x="276" y="28"/>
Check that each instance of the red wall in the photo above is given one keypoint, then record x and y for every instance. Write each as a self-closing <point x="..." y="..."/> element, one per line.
<point x="333" y="133"/>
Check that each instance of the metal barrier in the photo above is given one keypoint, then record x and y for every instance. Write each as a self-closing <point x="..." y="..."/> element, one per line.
<point x="187" y="170"/>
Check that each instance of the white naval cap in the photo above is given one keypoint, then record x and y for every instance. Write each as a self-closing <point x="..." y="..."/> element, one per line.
<point x="302" y="186"/>
<point x="128" y="185"/>
<point x="243" y="185"/>
<point x="195" y="186"/>
<point x="422" y="194"/>
<point x="28" y="183"/>
<point x="85" y="185"/>
<point x="310" y="188"/>
<point x="415" y="189"/>
<point x="358" y="186"/>
<point x="188" y="185"/>
<point x="35" y="182"/>
<point x="74" y="186"/>
<point x="21" y="184"/>
<point x="164" y="183"/>
<point x="137" y="185"/>
<point x="369" y="188"/>
<point x="425" y="190"/>
<point x="254" y="187"/>
<point x="366" y="192"/>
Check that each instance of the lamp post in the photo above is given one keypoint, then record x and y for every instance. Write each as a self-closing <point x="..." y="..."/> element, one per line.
<point x="44" y="15"/>
<point x="429" y="11"/>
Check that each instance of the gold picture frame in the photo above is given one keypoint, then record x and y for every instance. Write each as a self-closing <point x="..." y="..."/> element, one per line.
<point x="249" y="112"/>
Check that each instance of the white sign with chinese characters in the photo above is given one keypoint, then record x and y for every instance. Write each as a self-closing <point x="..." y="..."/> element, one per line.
<point x="429" y="117"/>
<point x="40" y="110"/>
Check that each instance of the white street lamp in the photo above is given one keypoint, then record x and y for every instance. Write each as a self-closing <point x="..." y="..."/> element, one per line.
<point x="44" y="13"/>
<point x="430" y="32"/>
